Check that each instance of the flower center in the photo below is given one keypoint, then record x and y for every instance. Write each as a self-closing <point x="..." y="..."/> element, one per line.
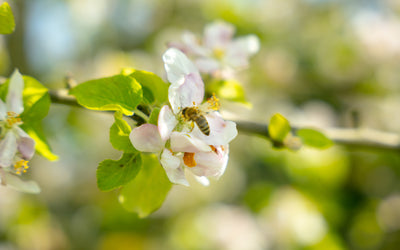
<point x="219" y="53"/>
<point x="21" y="166"/>
<point x="188" y="159"/>
<point x="214" y="149"/>
<point x="13" y="119"/>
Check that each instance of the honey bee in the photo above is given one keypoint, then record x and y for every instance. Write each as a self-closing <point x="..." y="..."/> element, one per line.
<point x="194" y="114"/>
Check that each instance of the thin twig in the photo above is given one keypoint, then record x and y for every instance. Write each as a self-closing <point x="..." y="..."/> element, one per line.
<point x="61" y="96"/>
<point x="353" y="137"/>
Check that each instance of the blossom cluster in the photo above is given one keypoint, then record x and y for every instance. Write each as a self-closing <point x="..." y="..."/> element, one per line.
<point x="180" y="141"/>
<point x="218" y="53"/>
<point x="16" y="146"/>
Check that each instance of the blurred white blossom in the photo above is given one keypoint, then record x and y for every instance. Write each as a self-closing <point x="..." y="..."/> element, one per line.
<point x="218" y="53"/>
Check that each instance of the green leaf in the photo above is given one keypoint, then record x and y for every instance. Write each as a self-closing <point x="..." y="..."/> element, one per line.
<point x="230" y="90"/>
<point x="36" y="100"/>
<point x="314" y="138"/>
<point x="7" y="24"/>
<point x="278" y="128"/>
<point x="119" y="134"/>
<point x="42" y="147"/>
<point x="148" y="191"/>
<point x="155" y="90"/>
<point x="118" y="93"/>
<point x="114" y="174"/>
<point x="154" y="116"/>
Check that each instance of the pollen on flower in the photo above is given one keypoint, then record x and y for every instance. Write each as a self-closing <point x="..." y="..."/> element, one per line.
<point x="188" y="159"/>
<point x="13" y="118"/>
<point x="21" y="166"/>
<point x="214" y="149"/>
<point x="219" y="53"/>
<point x="213" y="102"/>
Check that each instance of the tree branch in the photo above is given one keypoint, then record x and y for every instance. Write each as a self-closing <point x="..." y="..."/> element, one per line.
<point x="353" y="137"/>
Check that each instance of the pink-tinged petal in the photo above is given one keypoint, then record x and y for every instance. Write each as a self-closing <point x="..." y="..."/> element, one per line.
<point x="146" y="138"/>
<point x="207" y="65"/>
<point x="178" y="45"/>
<point x="3" y="111"/>
<point x="8" y="149"/>
<point x="190" y="45"/>
<point x="183" y="142"/>
<point x="223" y="154"/>
<point x="193" y="46"/>
<point x="190" y="93"/>
<point x="202" y="180"/>
<point x="218" y="34"/>
<point x="26" y="145"/>
<point x="210" y="164"/>
<point x="221" y="131"/>
<point x="172" y="165"/>
<point x="166" y="122"/>
<point x="16" y="183"/>
<point x="238" y="52"/>
<point x="14" y="95"/>
<point x="177" y="66"/>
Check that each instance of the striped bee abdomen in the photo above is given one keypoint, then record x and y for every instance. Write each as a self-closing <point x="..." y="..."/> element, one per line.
<point x="195" y="115"/>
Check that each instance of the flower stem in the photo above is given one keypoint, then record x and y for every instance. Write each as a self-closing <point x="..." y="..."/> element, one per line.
<point x="141" y="115"/>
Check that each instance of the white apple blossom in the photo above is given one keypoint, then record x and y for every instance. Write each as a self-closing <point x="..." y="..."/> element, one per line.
<point x="16" y="146"/>
<point x="218" y="53"/>
<point x="180" y="143"/>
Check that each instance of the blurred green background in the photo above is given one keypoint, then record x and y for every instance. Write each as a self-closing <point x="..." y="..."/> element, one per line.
<point x="321" y="62"/>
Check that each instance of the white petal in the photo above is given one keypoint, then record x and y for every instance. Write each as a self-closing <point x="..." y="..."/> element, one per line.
<point x="26" y="145"/>
<point x="188" y="94"/>
<point x="16" y="183"/>
<point x="239" y="51"/>
<point x="221" y="131"/>
<point x="146" y="138"/>
<point x="3" y="111"/>
<point x="183" y="142"/>
<point x="218" y="34"/>
<point x="177" y="66"/>
<point x="174" y="98"/>
<point x="14" y="95"/>
<point x="166" y="122"/>
<point x="202" y="180"/>
<point x="172" y="166"/>
<point x="8" y="149"/>
<point x="248" y="44"/>
<point x="207" y="65"/>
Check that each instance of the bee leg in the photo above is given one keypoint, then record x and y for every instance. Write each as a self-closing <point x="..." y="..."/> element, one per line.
<point x="192" y="125"/>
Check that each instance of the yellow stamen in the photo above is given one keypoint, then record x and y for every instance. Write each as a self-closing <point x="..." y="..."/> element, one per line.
<point x="219" y="53"/>
<point x="213" y="101"/>
<point x="188" y="159"/>
<point x="21" y="166"/>
<point x="214" y="149"/>
<point x="13" y="118"/>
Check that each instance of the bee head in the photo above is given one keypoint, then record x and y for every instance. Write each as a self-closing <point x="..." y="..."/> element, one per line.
<point x="184" y="111"/>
